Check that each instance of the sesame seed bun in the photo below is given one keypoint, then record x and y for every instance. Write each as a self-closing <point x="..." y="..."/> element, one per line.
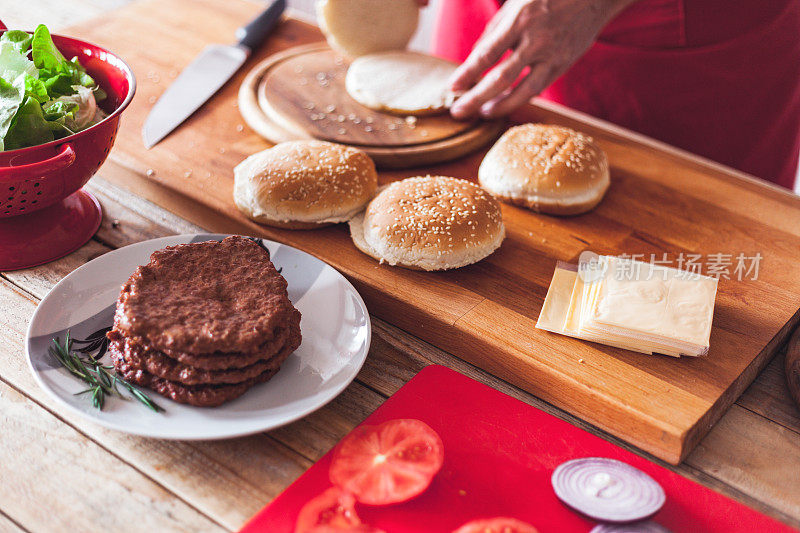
<point x="304" y="184"/>
<point x="429" y="223"/>
<point x="405" y="83"/>
<point x="359" y="27"/>
<point x="548" y="169"/>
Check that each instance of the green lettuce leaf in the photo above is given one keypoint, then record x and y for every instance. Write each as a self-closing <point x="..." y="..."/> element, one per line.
<point x="30" y="127"/>
<point x="36" y="89"/>
<point x="12" y="63"/>
<point x="20" y="39"/>
<point x="83" y="107"/>
<point x="44" y="51"/>
<point x="60" y="75"/>
<point x="60" y="111"/>
<point x="58" y="84"/>
<point x="83" y="77"/>
<point x="11" y="96"/>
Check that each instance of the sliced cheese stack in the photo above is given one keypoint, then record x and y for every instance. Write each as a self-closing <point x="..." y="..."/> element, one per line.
<point x="632" y="305"/>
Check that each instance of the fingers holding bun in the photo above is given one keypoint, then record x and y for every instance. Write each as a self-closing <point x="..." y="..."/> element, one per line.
<point x="548" y="169"/>
<point x="304" y="184"/>
<point x="429" y="223"/>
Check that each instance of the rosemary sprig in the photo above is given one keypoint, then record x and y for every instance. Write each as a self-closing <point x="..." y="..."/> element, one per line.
<point x="103" y="381"/>
<point x="95" y="344"/>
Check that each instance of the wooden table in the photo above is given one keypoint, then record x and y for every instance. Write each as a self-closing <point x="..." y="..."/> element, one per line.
<point x="60" y="472"/>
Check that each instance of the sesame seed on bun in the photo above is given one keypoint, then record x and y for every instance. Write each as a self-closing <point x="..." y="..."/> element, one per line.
<point x="548" y="169"/>
<point x="304" y="184"/>
<point x="429" y="223"/>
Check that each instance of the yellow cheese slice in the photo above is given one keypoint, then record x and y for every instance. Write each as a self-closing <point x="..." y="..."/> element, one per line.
<point x="634" y="305"/>
<point x="663" y="304"/>
<point x="557" y="311"/>
<point x="573" y="327"/>
<point x="556" y="303"/>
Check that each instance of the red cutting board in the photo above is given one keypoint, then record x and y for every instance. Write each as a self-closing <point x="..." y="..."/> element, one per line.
<point x="499" y="456"/>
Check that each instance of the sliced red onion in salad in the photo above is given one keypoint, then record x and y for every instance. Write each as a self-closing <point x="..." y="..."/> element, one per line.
<point x="647" y="526"/>
<point x="607" y="490"/>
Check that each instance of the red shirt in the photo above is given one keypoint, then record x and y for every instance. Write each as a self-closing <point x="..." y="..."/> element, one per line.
<point x="715" y="77"/>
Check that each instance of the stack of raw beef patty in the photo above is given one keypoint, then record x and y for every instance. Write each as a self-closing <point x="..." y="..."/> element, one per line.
<point x="202" y="323"/>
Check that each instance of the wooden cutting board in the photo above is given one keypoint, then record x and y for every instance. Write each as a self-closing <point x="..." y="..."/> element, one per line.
<point x="660" y="201"/>
<point x="511" y="441"/>
<point x="300" y="94"/>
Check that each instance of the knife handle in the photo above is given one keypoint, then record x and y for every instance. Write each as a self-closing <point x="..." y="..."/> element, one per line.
<point x="257" y="30"/>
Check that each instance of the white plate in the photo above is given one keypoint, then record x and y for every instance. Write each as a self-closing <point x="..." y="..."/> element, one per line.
<point x="336" y="337"/>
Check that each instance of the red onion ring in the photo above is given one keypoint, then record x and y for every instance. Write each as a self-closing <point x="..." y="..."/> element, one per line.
<point x="636" y="527"/>
<point x="607" y="490"/>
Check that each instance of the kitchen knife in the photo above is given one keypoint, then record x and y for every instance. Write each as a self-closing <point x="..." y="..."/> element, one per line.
<point x="204" y="76"/>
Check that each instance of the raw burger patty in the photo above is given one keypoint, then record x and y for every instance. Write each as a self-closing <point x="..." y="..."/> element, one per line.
<point x="221" y="360"/>
<point x="159" y="365"/>
<point x="205" y="297"/>
<point x="197" y="395"/>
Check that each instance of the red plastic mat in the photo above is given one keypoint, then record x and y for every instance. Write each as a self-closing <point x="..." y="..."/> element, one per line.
<point x="499" y="456"/>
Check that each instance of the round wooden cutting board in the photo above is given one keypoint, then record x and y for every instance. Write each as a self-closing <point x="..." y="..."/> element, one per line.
<point x="300" y="94"/>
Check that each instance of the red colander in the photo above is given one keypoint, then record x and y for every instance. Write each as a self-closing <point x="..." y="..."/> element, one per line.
<point x="44" y="213"/>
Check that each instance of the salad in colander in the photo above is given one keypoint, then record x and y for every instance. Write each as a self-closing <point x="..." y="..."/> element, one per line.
<point x="43" y="95"/>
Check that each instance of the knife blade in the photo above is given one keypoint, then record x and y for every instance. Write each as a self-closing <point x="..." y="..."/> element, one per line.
<point x="204" y="76"/>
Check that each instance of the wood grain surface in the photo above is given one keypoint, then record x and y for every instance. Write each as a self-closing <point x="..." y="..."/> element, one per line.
<point x="750" y="454"/>
<point x="300" y="93"/>
<point x="305" y="85"/>
<point x="659" y="202"/>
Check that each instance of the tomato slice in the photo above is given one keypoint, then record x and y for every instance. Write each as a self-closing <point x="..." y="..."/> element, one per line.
<point x="330" y="512"/>
<point x="496" y="525"/>
<point x="388" y="463"/>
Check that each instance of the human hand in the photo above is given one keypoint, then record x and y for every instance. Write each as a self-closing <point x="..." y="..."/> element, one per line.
<point x="545" y="37"/>
<point x="422" y="3"/>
